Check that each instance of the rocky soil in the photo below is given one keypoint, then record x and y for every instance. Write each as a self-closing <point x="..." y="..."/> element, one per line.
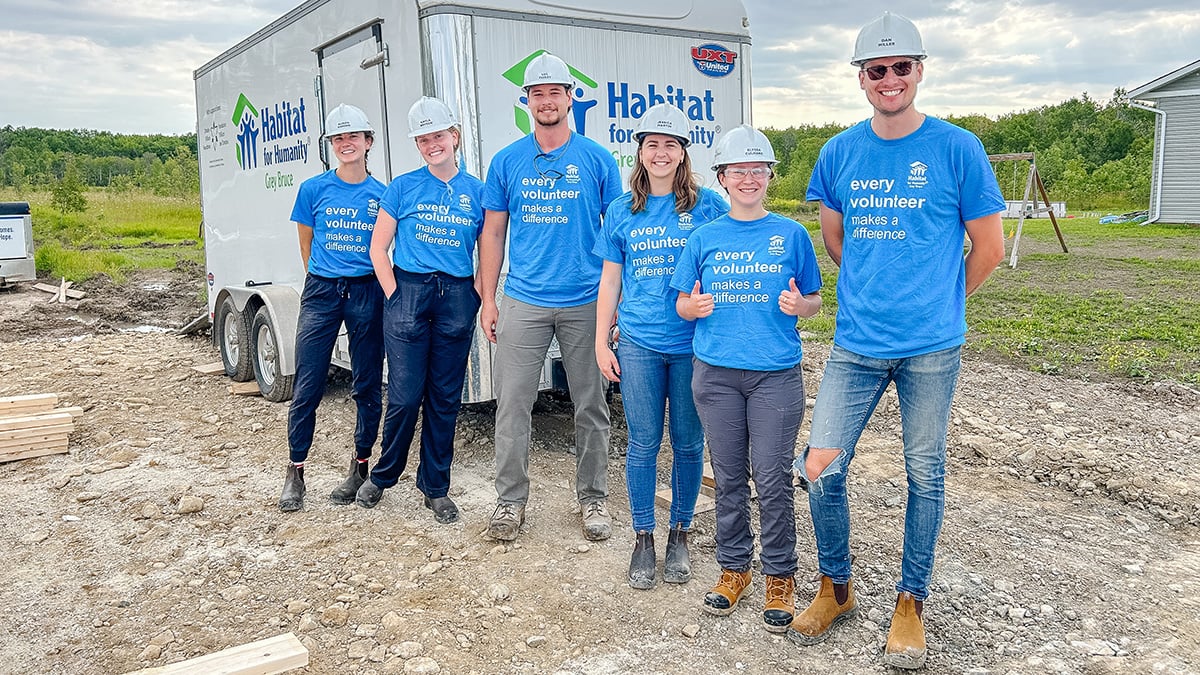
<point x="1071" y="544"/>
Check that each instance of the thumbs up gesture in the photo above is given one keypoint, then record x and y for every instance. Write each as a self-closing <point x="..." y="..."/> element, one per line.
<point x="790" y="299"/>
<point x="694" y="305"/>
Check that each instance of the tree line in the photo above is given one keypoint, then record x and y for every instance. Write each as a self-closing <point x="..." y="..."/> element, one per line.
<point x="43" y="159"/>
<point x="1090" y="154"/>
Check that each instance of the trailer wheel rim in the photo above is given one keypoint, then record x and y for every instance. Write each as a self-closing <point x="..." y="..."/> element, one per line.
<point x="231" y="339"/>
<point x="268" y="355"/>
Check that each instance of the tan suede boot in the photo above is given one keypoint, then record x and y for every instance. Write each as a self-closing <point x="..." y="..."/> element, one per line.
<point x="723" y="597"/>
<point x="906" y="638"/>
<point x="780" y="604"/>
<point x="812" y="626"/>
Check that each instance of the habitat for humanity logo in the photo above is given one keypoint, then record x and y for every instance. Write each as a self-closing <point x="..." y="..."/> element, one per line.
<point x="579" y="105"/>
<point x="283" y="121"/>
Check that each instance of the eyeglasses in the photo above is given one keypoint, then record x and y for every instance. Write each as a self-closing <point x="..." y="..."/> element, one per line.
<point x="738" y="173"/>
<point x="900" y="68"/>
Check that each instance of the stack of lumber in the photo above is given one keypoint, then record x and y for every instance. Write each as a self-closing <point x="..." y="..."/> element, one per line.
<point x="30" y="426"/>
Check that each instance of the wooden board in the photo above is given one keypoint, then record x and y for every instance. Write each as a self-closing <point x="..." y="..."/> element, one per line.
<point x="13" y="444"/>
<point x="245" y="388"/>
<point x="36" y="450"/>
<point x="704" y="503"/>
<point x="11" y="405"/>
<point x="36" y="432"/>
<point x="707" y="477"/>
<point x="264" y="657"/>
<point x="71" y="292"/>
<point x="35" y="420"/>
<point x="217" y="368"/>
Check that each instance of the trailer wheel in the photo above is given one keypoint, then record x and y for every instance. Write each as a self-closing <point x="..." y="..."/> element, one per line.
<point x="273" y="385"/>
<point x="233" y="331"/>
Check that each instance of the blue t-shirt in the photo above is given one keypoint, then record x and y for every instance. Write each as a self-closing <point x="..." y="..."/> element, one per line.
<point x="746" y="265"/>
<point x="648" y="245"/>
<point x="554" y="203"/>
<point x="437" y="223"/>
<point x="342" y="216"/>
<point x="902" y="285"/>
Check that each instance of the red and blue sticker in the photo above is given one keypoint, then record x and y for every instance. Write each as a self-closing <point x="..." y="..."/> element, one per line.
<point x="714" y="60"/>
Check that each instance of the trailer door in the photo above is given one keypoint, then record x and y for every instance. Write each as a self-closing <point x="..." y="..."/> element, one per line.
<point x="351" y="72"/>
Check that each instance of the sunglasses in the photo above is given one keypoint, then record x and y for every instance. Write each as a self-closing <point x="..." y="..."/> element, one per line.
<point x="900" y="68"/>
<point x="739" y="173"/>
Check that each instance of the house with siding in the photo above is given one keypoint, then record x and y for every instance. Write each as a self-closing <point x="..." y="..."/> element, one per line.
<point x="1174" y="98"/>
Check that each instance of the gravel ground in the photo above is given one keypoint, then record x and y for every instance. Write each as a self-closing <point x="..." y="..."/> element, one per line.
<point x="1070" y="546"/>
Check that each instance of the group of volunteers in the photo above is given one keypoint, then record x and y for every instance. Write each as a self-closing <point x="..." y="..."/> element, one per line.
<point x="686" y="298"/>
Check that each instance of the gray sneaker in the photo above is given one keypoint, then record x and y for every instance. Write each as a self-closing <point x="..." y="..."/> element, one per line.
<point x="597" y="524"/>
<point x="506" y="521"/>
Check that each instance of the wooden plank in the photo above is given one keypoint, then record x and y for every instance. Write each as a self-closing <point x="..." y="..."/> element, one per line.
<point x="245" y="388"/>
<point x="71" y="292"/>
<point x="37" y="451"/>
<point x="704" y="503"/>
<point x="14" y="434"/>
<point x="264" y="657"/>
<point x="707" y="477"/>
<point x="28" y="402"/>
<point x="74" y="411"/>
<point x="35" y="420"/>
<point x="14" y="444"/>
<point x="217" y="368"/>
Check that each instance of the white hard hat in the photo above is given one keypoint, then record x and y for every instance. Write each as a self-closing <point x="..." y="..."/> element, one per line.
<point x="547" y="68"/>
<point x="428" y="115"/>
<point x="888" y="35"/>
<point x="663" y="118"/>
<point x="743" y="143"/>
<point x="344" y="119"/>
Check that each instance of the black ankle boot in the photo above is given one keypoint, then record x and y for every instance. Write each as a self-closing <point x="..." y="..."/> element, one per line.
<point x="292" y="498"/>
<point x="677" y="565"/>
<point x="643" y="562"/>
<point x="344" y="494"/>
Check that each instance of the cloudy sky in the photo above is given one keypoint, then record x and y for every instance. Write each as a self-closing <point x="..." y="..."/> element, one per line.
<point x="126" y="66"/>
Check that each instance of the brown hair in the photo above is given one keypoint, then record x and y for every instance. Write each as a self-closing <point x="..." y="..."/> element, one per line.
<point x="685" y="185"/>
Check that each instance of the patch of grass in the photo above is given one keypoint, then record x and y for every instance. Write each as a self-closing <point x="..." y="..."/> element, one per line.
<point x="118" y="233"/>
<point x="1123" y="304"/>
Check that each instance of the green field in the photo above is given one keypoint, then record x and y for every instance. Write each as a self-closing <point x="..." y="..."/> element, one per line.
<point x="118" y="233"/>
<point x="1123" y="304"/>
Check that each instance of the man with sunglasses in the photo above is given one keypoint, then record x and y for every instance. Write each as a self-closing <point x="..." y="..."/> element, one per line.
<point x="898" y="192"/>
<point x="545" y="193"/>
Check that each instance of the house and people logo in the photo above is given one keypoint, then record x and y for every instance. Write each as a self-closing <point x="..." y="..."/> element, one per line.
<point x="245" y="117"/>
<point x="582" y="100"/>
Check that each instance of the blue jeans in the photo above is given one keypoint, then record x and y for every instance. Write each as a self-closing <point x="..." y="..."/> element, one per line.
<point x="850" y="390"/>
<point x="751" y="419"/>
<point x="648" y="380"/>
<point x="324" y="305"/>
<point x="429" y="322"/>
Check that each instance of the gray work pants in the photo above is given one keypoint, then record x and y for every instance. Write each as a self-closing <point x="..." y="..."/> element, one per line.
<point x="523" y="334"/>
<point x="750" y="420"/>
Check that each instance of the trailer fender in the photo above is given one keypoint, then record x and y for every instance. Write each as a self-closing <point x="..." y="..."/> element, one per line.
<point x="283" y="304"/>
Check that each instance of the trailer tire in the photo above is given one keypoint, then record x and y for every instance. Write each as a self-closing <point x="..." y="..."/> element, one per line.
<point x="265" y="340"/>
<point x="233" y="339"/>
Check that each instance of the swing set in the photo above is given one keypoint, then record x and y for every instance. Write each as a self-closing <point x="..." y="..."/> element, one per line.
<point x="1029" y="203"/>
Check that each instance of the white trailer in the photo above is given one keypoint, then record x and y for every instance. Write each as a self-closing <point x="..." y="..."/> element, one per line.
<point x="260" y="107"/>
<point x="17" y="261"/>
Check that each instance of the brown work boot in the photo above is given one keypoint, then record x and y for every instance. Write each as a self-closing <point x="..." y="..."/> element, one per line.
<point x="506" y="521"/>
<point x="780" y="604"/>
<point x="597" y="524"/>
<point x="723" y="597"/>
<point x="812" y="625"/>
<point x="906" y="638"/>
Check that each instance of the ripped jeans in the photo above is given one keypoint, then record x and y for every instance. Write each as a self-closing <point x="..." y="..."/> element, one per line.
<point x="850" y="390"/>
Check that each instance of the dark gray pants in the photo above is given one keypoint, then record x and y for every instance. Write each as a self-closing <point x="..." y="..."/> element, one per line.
<point x="751" y="419"/>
